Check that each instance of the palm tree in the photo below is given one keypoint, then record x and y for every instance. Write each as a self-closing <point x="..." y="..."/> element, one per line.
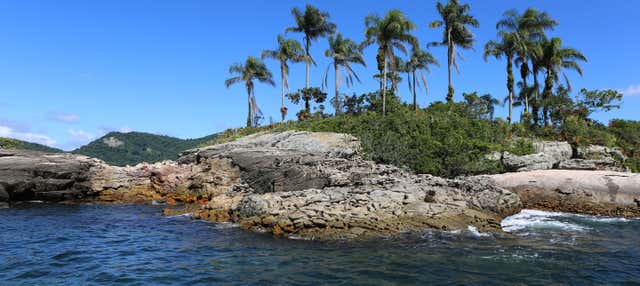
<point x="343" y="52"/>
<point x="391" y="32"/>
<point x="314" y="24"/>
<point x="455" y="19"/>
<point x="556" y="58"/>
<point x="419" y="60"/>
<point x="252" y="69"/>
<point x="505" y="46"/>
<point x="531" y="27"/>
<point x="490" y="102"/>
<point x="288" y="50"/>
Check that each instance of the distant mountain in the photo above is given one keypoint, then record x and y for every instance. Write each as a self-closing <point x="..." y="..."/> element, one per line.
<point x="131" y="148"/>
<point x="10" y="143"/>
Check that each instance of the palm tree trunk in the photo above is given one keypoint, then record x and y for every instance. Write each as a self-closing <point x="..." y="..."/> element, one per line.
<point x="523" y="75"/>
<point x="249" y="105"/>
<point x="510" y="86"/>
<point x="536" y="95"/>
<point x="449" y="64"/>
<point x="282" y="112"/>
<point x="384" y="88"/>
<point x="415" y="103"/>
<point x="546" y="94"/>
<point x="308" y="61"/>
<point x="337" y="98"/>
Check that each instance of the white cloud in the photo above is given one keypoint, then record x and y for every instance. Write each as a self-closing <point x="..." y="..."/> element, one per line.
<point x="63" y="117"/>
<point x="632" y="90"/>
<point x="80" y="135"/>
<point x="6" y="131"/>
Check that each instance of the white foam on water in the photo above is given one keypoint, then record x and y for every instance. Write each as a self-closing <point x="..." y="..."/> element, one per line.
<point x="532" y="219"/>
<point x="225" y="225"/>
<point x="473" y="230"/>
<point x="180" y="215"/>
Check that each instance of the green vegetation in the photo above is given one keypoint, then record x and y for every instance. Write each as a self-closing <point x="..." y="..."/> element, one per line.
<point x="131" y="148"/>
<point x="10" y="143"/>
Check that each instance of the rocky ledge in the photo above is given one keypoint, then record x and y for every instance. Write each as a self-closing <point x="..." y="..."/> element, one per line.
<point x="312" y="185"/>
<point x="577" y="191"/>
<point x="315" y="185"/>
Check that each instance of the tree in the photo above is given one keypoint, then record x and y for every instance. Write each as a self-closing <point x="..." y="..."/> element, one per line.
<point x="419" y="61"/>
<point x="252" y="69"/>
<point x="505" y="46"/>
<point x="314" y="24"/>
<point x="391" y="32"/>
<point x="531" y="27"/>
<point x="343" y="52"/>
<point x="555" y="59"/>
<point x="480" y="107"/>
<point x="456" y="21"/>
<point x="307" y="95"/>
<point x="288" y="50"/>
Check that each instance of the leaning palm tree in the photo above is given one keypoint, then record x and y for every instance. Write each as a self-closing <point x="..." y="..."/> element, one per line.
<point x="343" y="52"/>
<point x="391" y="32"/>
<point x="556" y="58"/>
<point x="419" y="60"/>
<point x="456" y="21"/>
<point x="314" y="24"/>
<point x="288" y="50"/>
<point x="252" y="69"/>
<point x="506" y="46"/>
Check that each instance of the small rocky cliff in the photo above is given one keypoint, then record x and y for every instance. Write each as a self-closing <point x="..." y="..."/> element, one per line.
<point x="312" y="185"/>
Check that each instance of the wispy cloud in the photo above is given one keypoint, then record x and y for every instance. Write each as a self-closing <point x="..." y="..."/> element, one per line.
<point x="632" y="90"/>
<point x="6" y="131"/>
<point x="63" y="117"/>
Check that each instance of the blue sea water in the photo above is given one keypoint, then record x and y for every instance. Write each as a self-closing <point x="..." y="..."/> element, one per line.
<point x="56" y="244"/>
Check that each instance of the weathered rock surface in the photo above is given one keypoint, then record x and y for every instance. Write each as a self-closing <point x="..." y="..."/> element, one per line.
<point x="591" y="192"/>
<point x="547" y="155"/>
<point x="560" y="155"/>
<point x="292" y="183"/>
<point x="29" y="175"/>
<point x="315" y="185"/>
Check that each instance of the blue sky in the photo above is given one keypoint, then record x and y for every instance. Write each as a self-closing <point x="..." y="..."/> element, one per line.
<point x="71" y="71"/>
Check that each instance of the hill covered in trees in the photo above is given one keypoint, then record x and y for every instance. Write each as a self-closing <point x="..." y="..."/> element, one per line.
<point x="131" y="148"/>
<point x="10" y="143"/>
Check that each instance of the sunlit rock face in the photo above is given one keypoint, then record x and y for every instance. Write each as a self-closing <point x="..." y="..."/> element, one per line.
<point x="305" y="184"/>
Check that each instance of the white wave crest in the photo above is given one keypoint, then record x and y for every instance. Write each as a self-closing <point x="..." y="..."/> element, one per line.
<point x="534" y="219"/>
<point x="473" y="230"/>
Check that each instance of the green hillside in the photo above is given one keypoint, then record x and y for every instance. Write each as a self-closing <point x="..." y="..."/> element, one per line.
<point x="10" y="143"/>
<point x="131" y="148"/>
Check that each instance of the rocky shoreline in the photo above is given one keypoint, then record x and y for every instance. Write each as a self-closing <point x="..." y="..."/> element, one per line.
<point x="310" y="185"/>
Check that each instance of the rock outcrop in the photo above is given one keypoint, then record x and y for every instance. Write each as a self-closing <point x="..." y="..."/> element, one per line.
<point x="561" y="155"/>
<point x="590" y="192"/>
<point x="30" y="175"/>
<point x="315" y="185"/>
<point x="312" y="185"/>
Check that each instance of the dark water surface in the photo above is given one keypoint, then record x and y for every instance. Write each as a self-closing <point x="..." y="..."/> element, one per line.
<point x="52" y="244"/>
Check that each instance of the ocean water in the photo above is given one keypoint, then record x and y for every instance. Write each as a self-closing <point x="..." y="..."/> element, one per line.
<point x="55" y="244"/>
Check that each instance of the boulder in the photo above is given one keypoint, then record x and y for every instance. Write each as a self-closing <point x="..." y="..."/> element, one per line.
<point x="578" y="191"/>
<point x="548" y="154"/>
<point x="603" y="158"/>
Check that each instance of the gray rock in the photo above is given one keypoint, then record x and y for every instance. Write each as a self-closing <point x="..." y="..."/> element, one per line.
<point x="29" y="175"/>
<point x="327" y="191"/>
<point x="577" y="164"/>
<point x="603" y="158"/>
<point x="548" y="155"/>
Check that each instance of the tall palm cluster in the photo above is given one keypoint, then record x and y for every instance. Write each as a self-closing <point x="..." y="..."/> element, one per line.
<point x="521" y="41"/>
